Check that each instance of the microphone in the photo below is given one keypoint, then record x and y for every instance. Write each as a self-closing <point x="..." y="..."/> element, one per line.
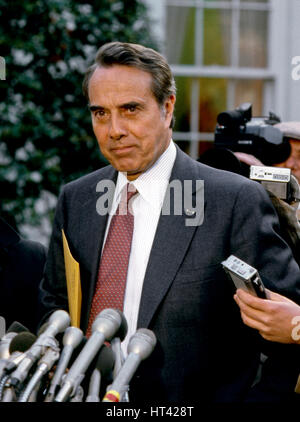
<point x="58" y="322"/>
<point x="116" y="346"/>
<point x="44" y="365"/>
<point x="4" y="345"/>
<point x="103" y="369"/>
<point x="22" y="342"/>
<point x="72" y="338"/>
<point x="78" y="396"/>
<point x="18" y="345"/>
<point x="42" y="328"/>
<point x="140" y="346"/>
<point x="2" y="326"/>
<point x="104" y="328"/>
<point x="14" y="329"/>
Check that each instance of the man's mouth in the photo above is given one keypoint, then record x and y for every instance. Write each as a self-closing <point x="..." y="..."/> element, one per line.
<point x="122" y="149"/>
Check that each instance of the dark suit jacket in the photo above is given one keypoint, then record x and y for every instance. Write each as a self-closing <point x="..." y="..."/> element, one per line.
<point x="204" y="351"/>
<point x="21" y="270"/>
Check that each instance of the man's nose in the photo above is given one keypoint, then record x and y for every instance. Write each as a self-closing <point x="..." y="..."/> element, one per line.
<point x="117" y="128"/>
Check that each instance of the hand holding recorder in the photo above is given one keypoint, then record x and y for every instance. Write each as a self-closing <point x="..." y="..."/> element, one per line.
<point x="276" y="317"/>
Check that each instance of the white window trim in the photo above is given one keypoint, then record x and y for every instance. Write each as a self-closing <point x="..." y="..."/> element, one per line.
<point x="281" y="93"/>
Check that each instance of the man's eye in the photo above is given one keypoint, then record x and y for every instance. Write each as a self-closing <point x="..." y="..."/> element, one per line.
<point x="100" y="113"/>
<point x="131" y="108"/>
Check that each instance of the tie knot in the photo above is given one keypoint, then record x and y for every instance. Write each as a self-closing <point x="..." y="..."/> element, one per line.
<point x="127" y="193"/>
<point x="131" y="191"/>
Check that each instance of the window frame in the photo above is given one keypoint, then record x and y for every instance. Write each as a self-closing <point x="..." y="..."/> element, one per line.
<point x="232" y="72"/>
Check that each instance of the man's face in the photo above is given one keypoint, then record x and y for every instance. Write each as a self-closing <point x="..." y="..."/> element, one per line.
<point x="293" y="162"/>
<point x="131" y="128"/>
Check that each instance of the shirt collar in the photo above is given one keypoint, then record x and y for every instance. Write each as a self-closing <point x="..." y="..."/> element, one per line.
<point x="152" y="184"/>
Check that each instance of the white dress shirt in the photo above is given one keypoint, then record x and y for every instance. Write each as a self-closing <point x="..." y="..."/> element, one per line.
<point x="146" y="207"/>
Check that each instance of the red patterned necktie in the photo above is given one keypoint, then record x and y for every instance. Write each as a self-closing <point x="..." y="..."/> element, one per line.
<point x="112" y="275"/>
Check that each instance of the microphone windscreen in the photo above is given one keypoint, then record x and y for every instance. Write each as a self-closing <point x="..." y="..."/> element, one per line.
<point x="105" y="361"/>
<point x="122" y="331"/>
<point x="22" y="342"/>
<point x="16" y="327"/>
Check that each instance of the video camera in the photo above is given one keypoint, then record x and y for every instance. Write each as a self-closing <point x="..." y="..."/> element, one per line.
<point x="237" y="131"/>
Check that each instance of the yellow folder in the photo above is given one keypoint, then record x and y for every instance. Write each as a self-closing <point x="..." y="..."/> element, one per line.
<point x="73" y="283"/>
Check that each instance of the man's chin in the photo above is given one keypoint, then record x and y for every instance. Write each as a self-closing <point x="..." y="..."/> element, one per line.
<point x="132" y="175"/>
<point x="127" y="171"/>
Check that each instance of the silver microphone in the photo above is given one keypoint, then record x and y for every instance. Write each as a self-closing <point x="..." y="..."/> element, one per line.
<point x="17" y="348"/>
<point x="4" y="345"/>
<point x="71" y="340"/>
<point x="58" y="322"/>
<point x="44" y="365"/>
<point x="104" y="328"/>
<point x="103" y="369"/>
<point x="14" y="329"/>
<point x="140" y="346"/>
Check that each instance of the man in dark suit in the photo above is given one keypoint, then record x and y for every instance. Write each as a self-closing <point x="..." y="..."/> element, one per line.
<point x="175" y="282"/>
<point x="21" y="270"/>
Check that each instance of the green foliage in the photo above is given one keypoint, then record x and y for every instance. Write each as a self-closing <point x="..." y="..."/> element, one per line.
<point x="46" y="137"/>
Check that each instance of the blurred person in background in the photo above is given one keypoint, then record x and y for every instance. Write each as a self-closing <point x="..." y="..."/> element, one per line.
<point x="291" y="131"/>
<point x="240" y="163"/>
<point x="21" y="268"/>
<point x="286" y="209"/>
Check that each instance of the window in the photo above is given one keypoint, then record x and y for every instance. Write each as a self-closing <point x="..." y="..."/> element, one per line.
<point x="219" y="54"/>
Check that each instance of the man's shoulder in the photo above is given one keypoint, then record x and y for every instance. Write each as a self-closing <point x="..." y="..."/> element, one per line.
<point x="17" y="247"/>
<point x="30" y="252"/>
<point x="90" y="181"/>
<point x="212" y="177"/>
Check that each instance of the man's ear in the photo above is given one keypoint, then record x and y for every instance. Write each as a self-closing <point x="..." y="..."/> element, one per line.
<point x="169" y="108"/>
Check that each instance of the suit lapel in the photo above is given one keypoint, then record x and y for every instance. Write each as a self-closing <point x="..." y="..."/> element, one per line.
<point x="92" y="230"/>
<point x="171" y="242"/>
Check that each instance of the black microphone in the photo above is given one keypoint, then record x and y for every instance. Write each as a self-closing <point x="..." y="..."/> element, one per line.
<point x="104" y="328"/>
<point x="140" y="346"/>
<point x="103" y="369"/>
<point x="22" y="342"/>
